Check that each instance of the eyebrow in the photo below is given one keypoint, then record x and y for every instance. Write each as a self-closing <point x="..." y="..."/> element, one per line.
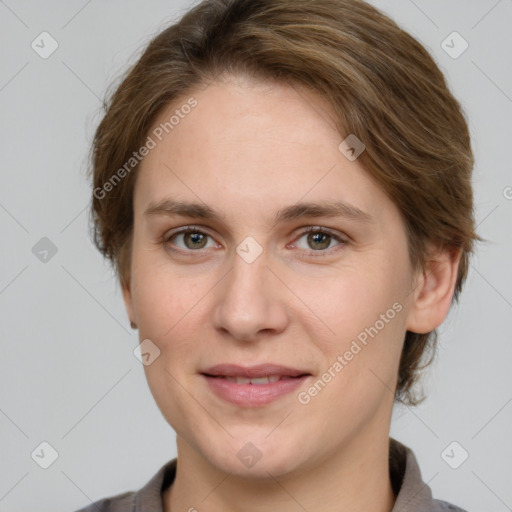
<point x="296" y="211"/>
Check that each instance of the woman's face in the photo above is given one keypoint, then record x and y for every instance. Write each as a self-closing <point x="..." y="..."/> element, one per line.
<point x="250" y="286"/>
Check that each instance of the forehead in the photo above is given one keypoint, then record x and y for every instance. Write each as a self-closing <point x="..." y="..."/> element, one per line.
<point x="248" y="145"/>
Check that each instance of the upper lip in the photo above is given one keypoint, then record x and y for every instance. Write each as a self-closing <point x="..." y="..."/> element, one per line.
<point x="260" y="370"/>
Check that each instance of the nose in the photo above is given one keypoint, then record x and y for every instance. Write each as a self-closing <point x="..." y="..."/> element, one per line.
<point x="250" y="301"/>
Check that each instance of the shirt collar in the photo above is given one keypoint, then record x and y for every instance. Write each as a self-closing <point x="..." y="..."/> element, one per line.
<point x="413" y="495"/>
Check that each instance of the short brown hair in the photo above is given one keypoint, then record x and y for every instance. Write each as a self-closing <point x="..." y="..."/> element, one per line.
<point x="383" y="86"/>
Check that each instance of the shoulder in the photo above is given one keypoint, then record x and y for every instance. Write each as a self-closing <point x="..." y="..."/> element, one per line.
<point x="412" y="493"/>
<point x="443" y="506"/>
<point x="119" y="503"/>
<point x="149" y="497"/>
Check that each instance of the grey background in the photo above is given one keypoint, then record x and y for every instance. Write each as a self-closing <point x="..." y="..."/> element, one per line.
<point x="68" y="375"/>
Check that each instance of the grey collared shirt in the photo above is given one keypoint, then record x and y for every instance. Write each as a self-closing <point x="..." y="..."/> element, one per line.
<point x="413" y="495"/>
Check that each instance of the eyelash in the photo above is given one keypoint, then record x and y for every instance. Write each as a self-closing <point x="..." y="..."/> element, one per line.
<point x="310" y="229"/>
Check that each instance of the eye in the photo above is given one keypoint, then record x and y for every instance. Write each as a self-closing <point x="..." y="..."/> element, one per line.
<point x="191" y="239"/>
<point x="319" y="239"/>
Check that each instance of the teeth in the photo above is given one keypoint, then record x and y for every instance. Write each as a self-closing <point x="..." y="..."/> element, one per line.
<point x="258" y="380"/>
<point x="239" y="380"/>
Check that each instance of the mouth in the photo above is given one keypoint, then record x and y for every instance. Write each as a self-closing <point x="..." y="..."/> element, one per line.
<point x="253" y="386"/>
<point x="257" y="381"/>
<point x="254" y="372"/>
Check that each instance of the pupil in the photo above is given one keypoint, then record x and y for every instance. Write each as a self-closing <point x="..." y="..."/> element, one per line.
<point x="195" y="238"/>
<point x="317" y="238"/>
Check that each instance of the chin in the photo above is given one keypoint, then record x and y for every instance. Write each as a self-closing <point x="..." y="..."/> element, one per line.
<point x="256" y="460"/>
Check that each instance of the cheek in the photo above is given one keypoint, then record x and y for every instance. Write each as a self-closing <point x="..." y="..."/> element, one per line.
<point x="162" y="294"/>
<point x="360" y="361"/>
<point x="353" y="298"/>
<point x="167" y="308"/>
<point x="171" y="312"/>
<point x="364" y="313"/>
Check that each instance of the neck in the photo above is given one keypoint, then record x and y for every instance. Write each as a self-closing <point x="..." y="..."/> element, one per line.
<point x="354" y="478"/>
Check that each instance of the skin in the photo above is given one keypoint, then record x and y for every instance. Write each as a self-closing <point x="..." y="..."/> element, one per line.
<point x="248" y="149"/>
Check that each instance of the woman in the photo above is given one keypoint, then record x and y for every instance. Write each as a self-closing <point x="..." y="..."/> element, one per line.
<point x="284" y="189"/>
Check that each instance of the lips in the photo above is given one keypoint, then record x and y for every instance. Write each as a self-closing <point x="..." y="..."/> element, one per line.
<point x="259" y="374"/>
<point x="257" y="381"/>
<point x="253" y="386"/>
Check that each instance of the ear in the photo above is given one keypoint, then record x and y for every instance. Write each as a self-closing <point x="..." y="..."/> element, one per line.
<point x="433" y="292"/>
<point x="128" y="300"/>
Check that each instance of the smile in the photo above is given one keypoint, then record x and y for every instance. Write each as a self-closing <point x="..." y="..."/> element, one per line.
<point x="253" y="392"/>
<point x="258" y="380"/>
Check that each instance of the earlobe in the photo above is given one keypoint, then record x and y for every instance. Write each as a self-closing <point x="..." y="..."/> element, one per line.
<point x="434" y="290"/>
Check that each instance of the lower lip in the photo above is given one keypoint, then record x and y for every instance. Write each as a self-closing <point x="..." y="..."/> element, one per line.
<point x="252" y="395"/>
